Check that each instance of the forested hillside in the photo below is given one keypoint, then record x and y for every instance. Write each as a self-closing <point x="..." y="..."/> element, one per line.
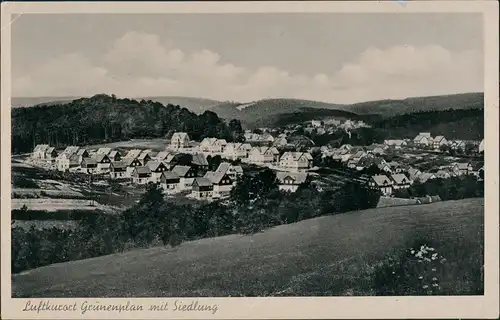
<point x="103" y="118"/>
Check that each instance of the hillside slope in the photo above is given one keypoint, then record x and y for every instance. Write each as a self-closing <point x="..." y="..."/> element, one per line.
<point x="196" y="105"/>
<point x="324" y="256"/>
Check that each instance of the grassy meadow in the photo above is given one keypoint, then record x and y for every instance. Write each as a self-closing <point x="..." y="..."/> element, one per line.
<point x="326" y="256"/>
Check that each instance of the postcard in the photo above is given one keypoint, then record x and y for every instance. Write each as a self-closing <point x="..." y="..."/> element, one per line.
<point x="250" y="160"/>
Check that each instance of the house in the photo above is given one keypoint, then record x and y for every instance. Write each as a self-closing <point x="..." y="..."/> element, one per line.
<point x="376" y="149"/>
<point x="117" y="170"/>
<point x="357" y="155"/>
<point x="88" y="165"/>
<point x="400" y="181"/>
<point x="71" y="149"/>
<point x="232" y="171"/>
<point x="199" y="162"/>
<point x="141" y="175"/>
<point x="464" y="168"/>
<point x="222" y="183"/>
<point x="170" y="182"/>
<point x="280" y="142"/>
<point x="65" y="161"/>
<point x="396" y="144"/>
<point x="50" y="154"/>
<point x="202" y="189"/>
<point x="206" y="144"/>
<point x="156" y="168"/>
<point x="481" y="146"/>
<point x="103" y="162"/>
<point x="144" y="158"/>
<point x="262" y="155"/>
<point x="317" y="123"/>
<point x="162" y="156"/>
<point x="179" y="140"/>
<point x="296" y="161"/>
<point x="115" y="156"/>
<point x="290" y="181"/>
<point x="381" y="182"/>
<point x="439" y="141"/>
<point x="219" y="146"/>
<point x="105" y="151"/>
<point x="234" y="151"/>
<point x="186" y="175"/>
<point x="423" y="139"/>
<point x="39" y="151"/>
<point x="457" y="145"/>
<point x="131" y="164"/>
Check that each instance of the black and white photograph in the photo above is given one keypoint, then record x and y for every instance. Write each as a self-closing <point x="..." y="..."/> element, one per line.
<point x="248" y="154"/>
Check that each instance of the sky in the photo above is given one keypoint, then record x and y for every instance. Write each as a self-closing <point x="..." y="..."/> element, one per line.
<point x="332" y="57"/>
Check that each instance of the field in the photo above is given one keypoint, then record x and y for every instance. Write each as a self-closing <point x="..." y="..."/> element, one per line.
<point x="154" y="144"/>
<point x="326" y="256"/>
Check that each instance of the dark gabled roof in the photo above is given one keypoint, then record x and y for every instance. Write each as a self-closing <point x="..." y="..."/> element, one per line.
<point x="382" y="180"/>
<point x="169" y="175"/>
<point x="298" y="177"/>
<point x="154" y="165"/>
<point x="99" y="157"/>
<point x="199" y="160"/>
<point x="89" y="161"/>
<point x="129" y="161"/>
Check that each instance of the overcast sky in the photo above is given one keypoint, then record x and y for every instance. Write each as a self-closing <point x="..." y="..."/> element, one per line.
<point x="340" y="58"/>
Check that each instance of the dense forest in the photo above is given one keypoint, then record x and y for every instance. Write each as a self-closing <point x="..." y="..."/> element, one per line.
<point x="104" y="118"/>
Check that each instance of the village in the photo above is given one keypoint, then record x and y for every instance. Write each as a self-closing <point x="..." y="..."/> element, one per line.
<point x="418" y="160"/>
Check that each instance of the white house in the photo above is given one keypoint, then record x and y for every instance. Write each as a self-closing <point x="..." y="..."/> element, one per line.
<point x="234" y="151"/>
<point x="141" y="175"/>
<point x="103" y="162"/>
<point x="222" y="183"/>
<point x="186" y="176"/>
<point x="395" y="143"/>
<point x="131" y="164"/>
<point x="179" y="140"/>
<point x="202" y="189"/>
<point x="381" y="182"/>
<point x="296" y="161"/>
<point x="439" y="141"/>
<point x="118" y="169"/>
<point x="157" y="169"/>
<point x="170" y="182"/>
<point x="39" y="151"/>
<point x="262" y="155"/>
<point x="290" y="181"/>
<point x="400" y="181"/>
<point x="206" y="145"/>
<point x="88" y="165"/>
<point x="66" y="161"/>
<point x="423" y="139"/>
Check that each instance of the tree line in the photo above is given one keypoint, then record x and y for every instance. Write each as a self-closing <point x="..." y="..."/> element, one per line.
<point x="104" y="118"/>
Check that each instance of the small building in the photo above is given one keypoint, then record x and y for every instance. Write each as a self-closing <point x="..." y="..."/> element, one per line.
<point x="400" y="181"/>
<point x="199" y="162"/>
<point x="464" y="168"/>
<point x="117" y="170"/>
<point x="141" y="175"/>
<point x="66" y="161"/>
<point x="50" y="154"/>
<point x="296" y="161"/>
<point x="144" y="158"/>
<point x="263" y="155"/>
<point x="202" y="189"/>
<point x="170" y="182"/>
<point x="88" y="165"/>
<point x="426" y="176"/>
<point x="396" y="144"/>
<point x="186" y="175"/>
<point x="290" y="181"/>
<point x="443" y="174"/>
<point x="222" y="183"/>
<point x="82" y="153"/>
<point x="382" y="183"/>
<point x="156" y="168"/>
<point x="439" y="141"/>
<point x="39" y="151"/>
<point x="103" y="162"/>
<point x="423" y="139"/>
<point x="131" y="164"/>
<point x="179" y="140"/>
<point x="413" y="173"/>
<point x="206" y="145"/>
<point x="234" y="151"/>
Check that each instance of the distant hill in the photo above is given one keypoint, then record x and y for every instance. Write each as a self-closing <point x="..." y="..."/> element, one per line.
<point x="326" y="256"/>
<point x="271" y="112"/>
<point x="18" y="102"/>
<point x="390" y="108"/>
